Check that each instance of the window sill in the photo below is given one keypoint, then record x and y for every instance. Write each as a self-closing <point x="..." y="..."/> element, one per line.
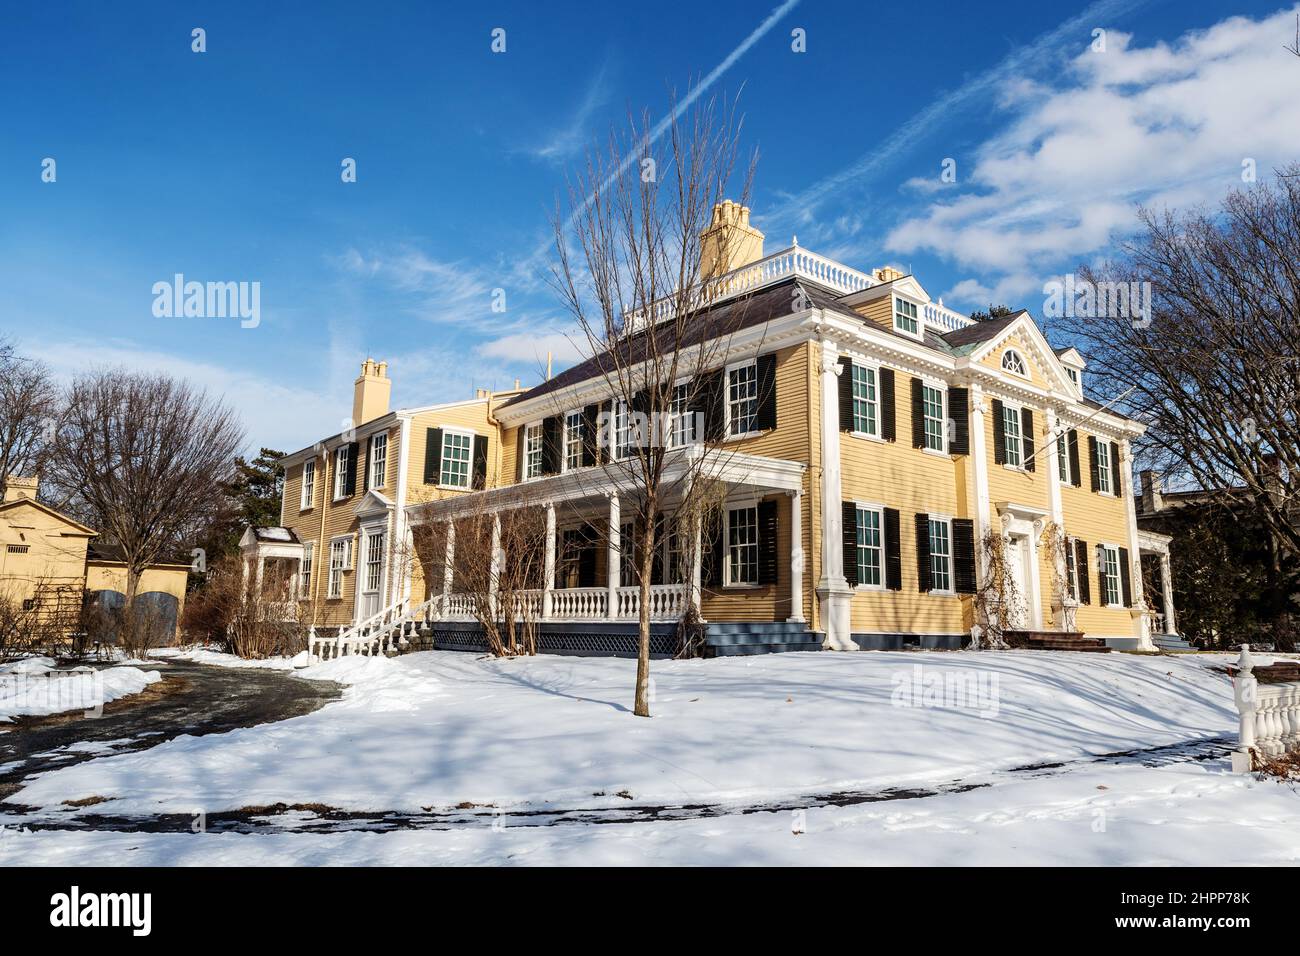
<point x="739" y="436"/>
<point x="870" y="588"/>
<point x="935" y="452"/>
<point x="938" y="593"/>
<point x="305" y="510"/>
<point x="868" y="436"/>
<point x="742" y="587"/>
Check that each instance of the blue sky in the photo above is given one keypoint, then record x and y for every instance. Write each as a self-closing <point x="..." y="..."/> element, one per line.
<point x="224" y="165"/>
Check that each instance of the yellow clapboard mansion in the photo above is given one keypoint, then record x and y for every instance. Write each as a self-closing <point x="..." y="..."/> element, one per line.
<point x="877" y="442"/>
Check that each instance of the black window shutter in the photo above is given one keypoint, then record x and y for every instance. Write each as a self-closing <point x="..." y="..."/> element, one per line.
<point x="712" y="396"/>
<point x="590" y="415"/>
<point x="478" y="480"/>
<point x="923" y="552"/>
<point x="918" y="413"/>
<point x="849" y="519"/>
<point x="365" y="472"/>
<point x="1029" y="447"/>
<point x="888" y="416"/>
<point x="768" y="565"/>
<point x="715" y="553"/>
<point x="766" y="367"/>
<point x="1092" y="464"/>
<point x="999" y="434"/>
<point x="1081" y="566"/>
<point x="959" y="412"/>
<point x="350" y="486"/>
<point x="1125" y="577"/>
<point x="432" y="455"/>
<point x="520" y="446"/>
<point x="963" y="554"/>
<point x="1075" y="475"/>
<point x="893" y="551"/>
<point x="845" y="386"/>
<point x="1115" y="487"/>
<point x="552" y="437"/>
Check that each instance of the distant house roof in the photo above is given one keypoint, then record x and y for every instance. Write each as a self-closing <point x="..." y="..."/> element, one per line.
<point x="980" y="332"/>
<point x="78" y="527"/>
<point x="108" y="552"/>
<point x="277" y="535"/>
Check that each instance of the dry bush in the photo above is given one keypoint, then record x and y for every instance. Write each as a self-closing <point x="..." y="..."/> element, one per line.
<point x="1285" y="767"/>
<point x="246" y="620"/>
<point x="18" y="632"/>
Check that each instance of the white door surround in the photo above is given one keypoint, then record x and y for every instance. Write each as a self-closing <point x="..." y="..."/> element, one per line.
<point x="1022" y="526"/>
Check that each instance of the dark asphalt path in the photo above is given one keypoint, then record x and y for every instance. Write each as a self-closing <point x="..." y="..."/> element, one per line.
<point x="191" y="698"/>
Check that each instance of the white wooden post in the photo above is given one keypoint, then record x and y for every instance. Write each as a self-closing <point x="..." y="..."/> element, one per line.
<point x="449" y="563"/>
<point x="1167" y="590"/>
<point x="697" y="561"/>
<point x="1246" y="692"/>
<point x="494" y="570"/>
<point x="796" y="557"/>
<point x="614" y="562"/>
<point x="548" y="579"/>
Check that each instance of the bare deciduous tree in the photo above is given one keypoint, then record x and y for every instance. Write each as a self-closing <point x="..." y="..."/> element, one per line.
<point x="1214" y="370"/>
<point x="29" y="409"/>
<point x="143" y="459"/>
<point x="638" y="293"/>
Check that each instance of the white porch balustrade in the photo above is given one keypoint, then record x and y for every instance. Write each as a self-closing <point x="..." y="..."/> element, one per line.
<point x="1268" y="704"/>
<point x="667" y="603"/>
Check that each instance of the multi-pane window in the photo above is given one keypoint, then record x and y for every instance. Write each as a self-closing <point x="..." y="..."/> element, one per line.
<point x="374" y="560"/>
<point x="1071" y="569"/>
<point x="865" y="404"/>
<point x="573" y="441"/>
<point x="871" y="551"/>
<point x="308" y="484"/>
<point x="622" y="430"/>
<point x="1063" y="459"/>
<point x="340" y="558"/>
<point x="1013" y="363"/>
<point x="1011" y="429"/>
<point x="533" y="450"/>
<point x="378" y="459"/>
<point x="1074" y="376"/>
<point x="683" y="422"/>
<point x="342" y="462"/>
<point x="742" y="399"/>
<point x="932" y="416"/>
<point x="742" y="546"/>
<point x="1110" y="574"/>
<point x="940" y="555"/>
<point x="674" y="558"/>
<point x="305" y="567"/>
<point x="1103" y="467"/>
<point x="627" y="555"/>
<point x="454" y="470"/>
<point x="905" y="317"/>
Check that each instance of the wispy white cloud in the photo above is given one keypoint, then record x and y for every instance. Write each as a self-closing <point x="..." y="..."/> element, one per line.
<point x="568" y="141"/>
<point x="531" y="348"/>
<point x="1167" y="124"/>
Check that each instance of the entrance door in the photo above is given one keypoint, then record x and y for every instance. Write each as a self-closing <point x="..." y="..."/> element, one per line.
<point x="1018" y="616"/>
<point x="372" y="574"/>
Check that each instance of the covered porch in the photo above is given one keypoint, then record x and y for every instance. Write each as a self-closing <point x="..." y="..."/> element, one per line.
<point x="1153" y="549"/>
<point x="586" y="540"/>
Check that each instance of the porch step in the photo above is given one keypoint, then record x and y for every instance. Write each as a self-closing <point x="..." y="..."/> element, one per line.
<point x="740" y="650"/>
<point x="729" y="634"/>
<point x="1056" y="641"/>
<point x="1171" y="642"/>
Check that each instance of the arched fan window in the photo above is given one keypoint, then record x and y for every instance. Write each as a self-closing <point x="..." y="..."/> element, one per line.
<point x="1012" y="362"/>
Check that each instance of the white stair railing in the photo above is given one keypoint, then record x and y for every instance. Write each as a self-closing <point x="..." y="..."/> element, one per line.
<point x="1269" y="713"/>
<point x="382" y="633"/>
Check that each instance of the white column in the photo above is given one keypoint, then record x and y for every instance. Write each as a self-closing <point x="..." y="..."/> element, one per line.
<point x="548" y="571"/>
<point x="697" y="562"/>
<point x="613" y="557"/>
<point x="1167" y="590"/>
<point x="1061" y="587"/>
<point x="1142" y="622"/>
<point x="796" y="557"/>
<point x="833" y="590"/>
<point x="449" y="562"/>
<point x="494" y="570"/>
<point x="983" y="507"/>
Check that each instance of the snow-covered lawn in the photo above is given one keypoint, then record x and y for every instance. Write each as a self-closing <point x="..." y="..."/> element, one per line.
<point x="32" y="687"/>
<point x="205" y="655"/>
<point x="438" y="730"/>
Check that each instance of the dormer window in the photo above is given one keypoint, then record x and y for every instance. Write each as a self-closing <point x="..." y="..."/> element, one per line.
<point x="1074" y="377"/>
<point x="1013" y="363"/>
<point x="906" y="318"/>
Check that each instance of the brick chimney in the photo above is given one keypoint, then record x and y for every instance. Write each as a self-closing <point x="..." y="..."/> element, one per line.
<point x="370" y="393"/>
<point x="16" y="488"/>
<point x="730" y="241"/>
<point x="1152" y="496"/>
